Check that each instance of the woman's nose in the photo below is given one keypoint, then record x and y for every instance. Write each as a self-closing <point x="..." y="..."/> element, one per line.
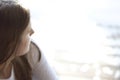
<point x="31" y="32"/>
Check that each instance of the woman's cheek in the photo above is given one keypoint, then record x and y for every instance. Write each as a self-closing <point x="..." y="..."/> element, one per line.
<point x="24" y="46"/>
<point x="27" y="44"/>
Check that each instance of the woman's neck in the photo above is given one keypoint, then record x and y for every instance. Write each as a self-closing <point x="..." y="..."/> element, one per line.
<point x="5" y="70"/>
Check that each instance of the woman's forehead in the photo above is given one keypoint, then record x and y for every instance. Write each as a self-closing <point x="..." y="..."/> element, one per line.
<point x="29" y="26"/>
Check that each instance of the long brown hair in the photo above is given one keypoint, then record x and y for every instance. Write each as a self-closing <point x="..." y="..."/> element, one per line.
<point x="13" y="21"/>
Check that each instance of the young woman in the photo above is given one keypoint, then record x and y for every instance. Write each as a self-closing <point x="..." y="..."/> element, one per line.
<point x="20" y="58"/>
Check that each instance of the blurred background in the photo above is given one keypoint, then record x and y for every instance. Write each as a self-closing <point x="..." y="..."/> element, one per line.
<point x="80" y="38"/>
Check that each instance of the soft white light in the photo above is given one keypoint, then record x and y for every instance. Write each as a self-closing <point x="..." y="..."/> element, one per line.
<point x="107" y="70"/>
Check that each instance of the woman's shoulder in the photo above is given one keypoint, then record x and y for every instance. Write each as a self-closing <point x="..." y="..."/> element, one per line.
<point x="34" y="54"/>
<point x="39" y="64"/>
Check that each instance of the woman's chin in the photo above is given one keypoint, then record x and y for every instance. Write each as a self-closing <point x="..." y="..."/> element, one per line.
<point x="23" y="53"/>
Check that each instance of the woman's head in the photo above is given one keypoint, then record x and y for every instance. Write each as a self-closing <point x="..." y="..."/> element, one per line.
<point x="14" y="24"/>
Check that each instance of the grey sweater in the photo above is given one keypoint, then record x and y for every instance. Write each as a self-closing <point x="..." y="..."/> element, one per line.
<point x="41" y="70"/>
